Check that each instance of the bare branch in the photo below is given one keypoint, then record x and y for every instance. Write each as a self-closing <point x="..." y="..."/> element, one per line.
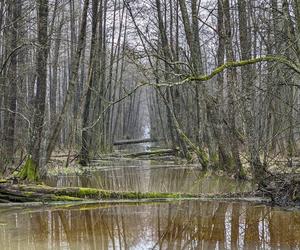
<point x="202" y="78"/>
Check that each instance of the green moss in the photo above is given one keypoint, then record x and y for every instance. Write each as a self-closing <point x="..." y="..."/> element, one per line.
<point x="243" y="174"/>
<point x="96" y="193"/>
<point x="230" y="165"/>
<point x="3" y="181"/>
<point x="79" y="193"/>
<point x="28" y="193"/>
<point x="88" y="192"/>
<point x="29" y="171"/>
<point x="106" y="194"/>
<point x="236" y="64"/>
<point x="66" y="198"/>
<point x="214" y="160"/>
<point x="203" y="157"/>
<point x="162" y="195"/>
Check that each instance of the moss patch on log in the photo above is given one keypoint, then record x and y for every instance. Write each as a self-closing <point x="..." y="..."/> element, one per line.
<point x="93" y="193"/>
<point x="66" y="198"/>
<point x="42" y="193"/>
<point x="282" y="190"/>
<point x="45" y="195"/>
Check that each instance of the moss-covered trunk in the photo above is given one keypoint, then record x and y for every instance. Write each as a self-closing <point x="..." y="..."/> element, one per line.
<point x="29" y="171"/>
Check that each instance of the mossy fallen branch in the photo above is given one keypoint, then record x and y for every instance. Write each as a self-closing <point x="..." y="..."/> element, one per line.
<point x="93" y="193"/>
<point x="282" y="190"/>
<point x="42" y="193"/>
<point x="38" y="193"/>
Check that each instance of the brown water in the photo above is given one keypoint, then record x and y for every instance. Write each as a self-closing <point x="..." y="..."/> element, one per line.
<point x="151" y="176"/>
<point x="177" y="225"/>
<point x="174" y="225"/>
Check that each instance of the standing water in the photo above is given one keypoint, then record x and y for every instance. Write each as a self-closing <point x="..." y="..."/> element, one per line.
<point x="173" y="225"/>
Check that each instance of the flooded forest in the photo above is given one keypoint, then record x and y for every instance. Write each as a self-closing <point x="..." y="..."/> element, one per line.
<point x="149" y="124"/>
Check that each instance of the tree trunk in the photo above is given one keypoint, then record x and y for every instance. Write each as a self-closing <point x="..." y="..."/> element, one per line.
<point x="248" y="83"/>
<point x="54" y="83"/>
<point x="72" y="83"/>
<point x="85" y="138"/>
<point x="9" y="134"/>
<point x="41" y="84"/>
<point x="232" y="88"/>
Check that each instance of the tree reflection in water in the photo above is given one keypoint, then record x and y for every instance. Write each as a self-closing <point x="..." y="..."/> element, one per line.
<point x="178" y="225"/>
<point x="147" y="176"/>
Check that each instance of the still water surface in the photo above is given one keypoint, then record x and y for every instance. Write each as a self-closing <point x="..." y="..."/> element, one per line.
<point x="174" y="225"/>
<point x="151" y="176"/>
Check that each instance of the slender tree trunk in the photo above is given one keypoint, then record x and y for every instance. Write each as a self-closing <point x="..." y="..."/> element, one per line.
<point x="218" y="109"/>
<point x="54" y="83"/>
<point x="167" y="56"/>
<point x="232" y="88"/>
<point x="84" y="153"/>
<point x="41" y="85"/>
<point x="72" y="83"/>
<point x="192" y="37"/>
<point x="248" y="83"/>
<point x="9" y="134"/>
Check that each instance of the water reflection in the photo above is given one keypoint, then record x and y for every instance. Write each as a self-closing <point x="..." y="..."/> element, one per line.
<point x="178" y="225"/>
<point x="151" y="176"/>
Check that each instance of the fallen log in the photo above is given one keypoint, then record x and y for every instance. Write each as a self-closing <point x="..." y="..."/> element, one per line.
<point x="23" y="193"/>
<point x="281" y="190"/>
<point x="134" y="141"/>
<point x="41" y="193"/>
<point x="152" y="153"/>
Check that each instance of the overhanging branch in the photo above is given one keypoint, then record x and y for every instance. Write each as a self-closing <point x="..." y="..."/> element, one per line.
<point x="279" y="59"/>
